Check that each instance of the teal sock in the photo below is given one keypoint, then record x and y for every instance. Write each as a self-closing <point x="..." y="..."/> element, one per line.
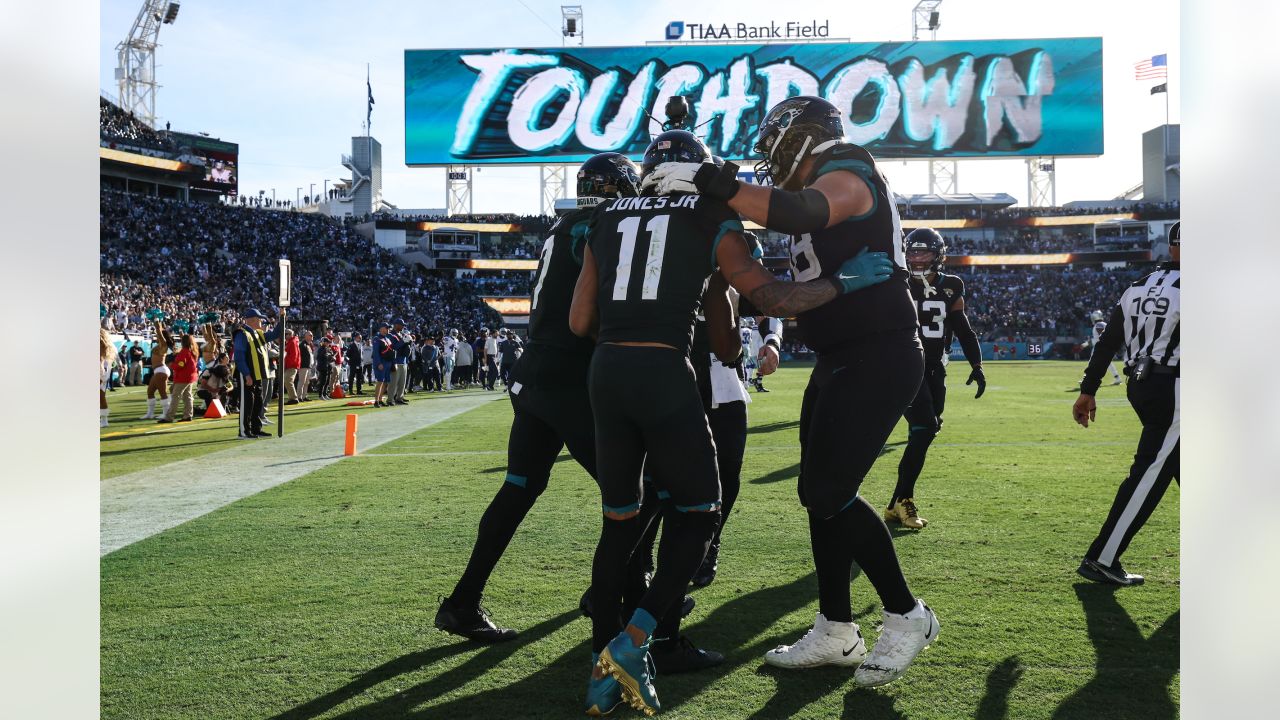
<point x="646" y="622"/>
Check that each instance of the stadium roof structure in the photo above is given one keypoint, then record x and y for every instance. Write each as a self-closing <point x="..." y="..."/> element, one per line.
<point x="970" y="199"/>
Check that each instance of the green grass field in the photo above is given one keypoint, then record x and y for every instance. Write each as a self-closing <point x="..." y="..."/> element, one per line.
<point x="315" y="599"/>
<point x="129" y="444"/>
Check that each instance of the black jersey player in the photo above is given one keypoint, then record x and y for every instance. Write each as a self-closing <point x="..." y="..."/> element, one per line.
<point x="837" y="206"/>
<point x="939" y="299"/>
<point x="649" y="264"/>
<point x="548" y="395"/>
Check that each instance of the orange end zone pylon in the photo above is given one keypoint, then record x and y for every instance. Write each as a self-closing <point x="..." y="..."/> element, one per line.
<point x="350" y="445"/>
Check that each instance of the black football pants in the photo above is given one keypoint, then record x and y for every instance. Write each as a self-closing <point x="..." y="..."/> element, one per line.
<point x="924" y="420"/>
<point x="668" y="433"/>
<point x="546" y="420"/>
<point x="853" y="400"/>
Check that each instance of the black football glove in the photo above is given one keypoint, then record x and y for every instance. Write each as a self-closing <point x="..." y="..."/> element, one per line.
<point x="720" y="183"/>
<point x="978" y="377"/>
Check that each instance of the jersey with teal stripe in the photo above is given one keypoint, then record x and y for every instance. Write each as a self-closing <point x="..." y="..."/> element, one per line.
<point x="653" y="257"/>
<point x="879" y="308"/>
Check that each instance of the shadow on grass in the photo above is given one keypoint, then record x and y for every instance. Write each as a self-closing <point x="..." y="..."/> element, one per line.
<point x="563" y="457"/>
<point x="773" y="427"/>
<point x="787" y="473"/>
<point x="133" y="451"/>
<point x="890" y="447"/>
<point x="557" y="690"/>
<point x="994" y="704"/>
<point x="402" y="703"/>
<point x="793" y="472"/>
<point x="1132" y="671"/>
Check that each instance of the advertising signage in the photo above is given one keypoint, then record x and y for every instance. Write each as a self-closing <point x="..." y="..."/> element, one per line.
<point x="953" y="99"/>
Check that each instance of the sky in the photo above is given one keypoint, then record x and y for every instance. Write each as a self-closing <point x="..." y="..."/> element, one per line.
<point x="286" y="80"/>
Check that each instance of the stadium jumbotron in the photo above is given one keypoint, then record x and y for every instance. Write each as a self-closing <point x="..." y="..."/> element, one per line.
<point x="718" y="367"/>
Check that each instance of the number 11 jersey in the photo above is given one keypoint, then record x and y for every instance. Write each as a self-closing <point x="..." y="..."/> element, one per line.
<point x="653" y="257"/>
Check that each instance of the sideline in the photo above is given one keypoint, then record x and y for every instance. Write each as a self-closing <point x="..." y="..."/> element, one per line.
<point x="138" y="505"/>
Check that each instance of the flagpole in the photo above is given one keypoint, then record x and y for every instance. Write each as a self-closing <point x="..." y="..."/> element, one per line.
<point x="1166" y="116"/>
<point x="369" y="136"/>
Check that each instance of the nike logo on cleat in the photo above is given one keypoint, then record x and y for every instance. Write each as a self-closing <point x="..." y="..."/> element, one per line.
<point x="849" y="652"/>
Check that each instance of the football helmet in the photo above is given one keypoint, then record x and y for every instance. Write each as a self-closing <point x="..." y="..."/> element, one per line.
<point x="1095" y="316"/>
<point x="925" y="251"/>
<point x="795" y="128"/>
<point x="1175" y="234"/>
<point x="607" y="175"/>
<point x="679" y="146"/>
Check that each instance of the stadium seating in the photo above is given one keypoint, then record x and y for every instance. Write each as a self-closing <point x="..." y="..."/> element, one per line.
<point x="187" y="258"/>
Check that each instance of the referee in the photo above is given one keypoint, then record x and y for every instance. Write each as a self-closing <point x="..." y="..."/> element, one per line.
<point x="1145" y="323"/>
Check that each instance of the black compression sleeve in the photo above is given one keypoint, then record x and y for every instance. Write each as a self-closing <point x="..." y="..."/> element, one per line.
<point x="771" y="326"/>
<point x="796" y="213"/>
<point x="1103" y="352"/>
<point x="959" y="323"/>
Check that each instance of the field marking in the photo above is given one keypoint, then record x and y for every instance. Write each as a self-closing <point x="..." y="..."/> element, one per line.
<point x="1070" y="443"/>
<point x="140" y="504"/>
<point x="165" y="428"/>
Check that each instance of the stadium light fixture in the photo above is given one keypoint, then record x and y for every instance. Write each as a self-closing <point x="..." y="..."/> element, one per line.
<point x="925" y="16"/>
<point x="571" y="24"/>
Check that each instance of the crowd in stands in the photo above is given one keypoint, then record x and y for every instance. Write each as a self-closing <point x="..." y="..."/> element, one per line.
<point x="504" y="284"/>
<point x="1043" y="302"/>
<point x="193" y="257"/>
<point x="996" y="216"/>
<point x="1021" y="241"/>
<point x="116" y="125"/>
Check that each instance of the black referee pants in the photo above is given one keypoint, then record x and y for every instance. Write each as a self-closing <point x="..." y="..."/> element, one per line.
<point x="250" y="407"/>
<point x="1157" y="402"/>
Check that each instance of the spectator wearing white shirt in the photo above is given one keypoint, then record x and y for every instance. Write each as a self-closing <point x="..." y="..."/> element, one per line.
<point x="490" y="359"/>
<point x="465" y="354"/>
<point x="449" y="347"/>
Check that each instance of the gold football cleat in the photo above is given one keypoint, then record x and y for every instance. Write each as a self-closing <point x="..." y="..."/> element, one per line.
<point x="904" y="512"/>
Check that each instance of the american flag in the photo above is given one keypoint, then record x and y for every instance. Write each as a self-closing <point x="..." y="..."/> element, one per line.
<point x="1155" y="67"/>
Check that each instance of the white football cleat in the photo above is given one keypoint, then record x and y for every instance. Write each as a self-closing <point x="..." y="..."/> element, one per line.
<point x="901" y="640"/>
<point x="827" y="643"/>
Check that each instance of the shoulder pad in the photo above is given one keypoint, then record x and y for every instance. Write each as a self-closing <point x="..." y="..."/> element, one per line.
<point x="845" y="151"/>
<point x="845" y="156"/>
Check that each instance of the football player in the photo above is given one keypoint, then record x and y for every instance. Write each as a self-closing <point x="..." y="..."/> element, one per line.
<point x="1099" y="327"/>
<point x="548" y="394"/>
<point x="646" y="270"/>
<point x="837" y="207"/>
<point x="939" y="300"/>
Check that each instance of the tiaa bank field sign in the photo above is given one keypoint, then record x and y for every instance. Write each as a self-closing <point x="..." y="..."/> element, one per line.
<point x="990" y="98"/>
<point x="789" y="30"/>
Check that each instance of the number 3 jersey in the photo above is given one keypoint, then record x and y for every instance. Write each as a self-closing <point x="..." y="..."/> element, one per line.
<point x="934" y="298"/>
<point x="653" y="257"/>
<point x="882" y="307"/>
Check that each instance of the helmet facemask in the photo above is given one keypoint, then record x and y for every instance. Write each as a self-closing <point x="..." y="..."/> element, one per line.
<point x="922" y="261"/>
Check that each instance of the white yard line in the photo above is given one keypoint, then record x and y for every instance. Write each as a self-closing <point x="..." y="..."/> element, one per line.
<point x="141" y="504"/>
<point x="751" y="447"/>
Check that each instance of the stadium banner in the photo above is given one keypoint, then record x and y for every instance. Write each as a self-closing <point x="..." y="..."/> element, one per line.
<point x="975" y="98"/>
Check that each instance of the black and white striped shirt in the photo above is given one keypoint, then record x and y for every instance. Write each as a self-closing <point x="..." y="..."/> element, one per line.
<point x="1144" y="323"/>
